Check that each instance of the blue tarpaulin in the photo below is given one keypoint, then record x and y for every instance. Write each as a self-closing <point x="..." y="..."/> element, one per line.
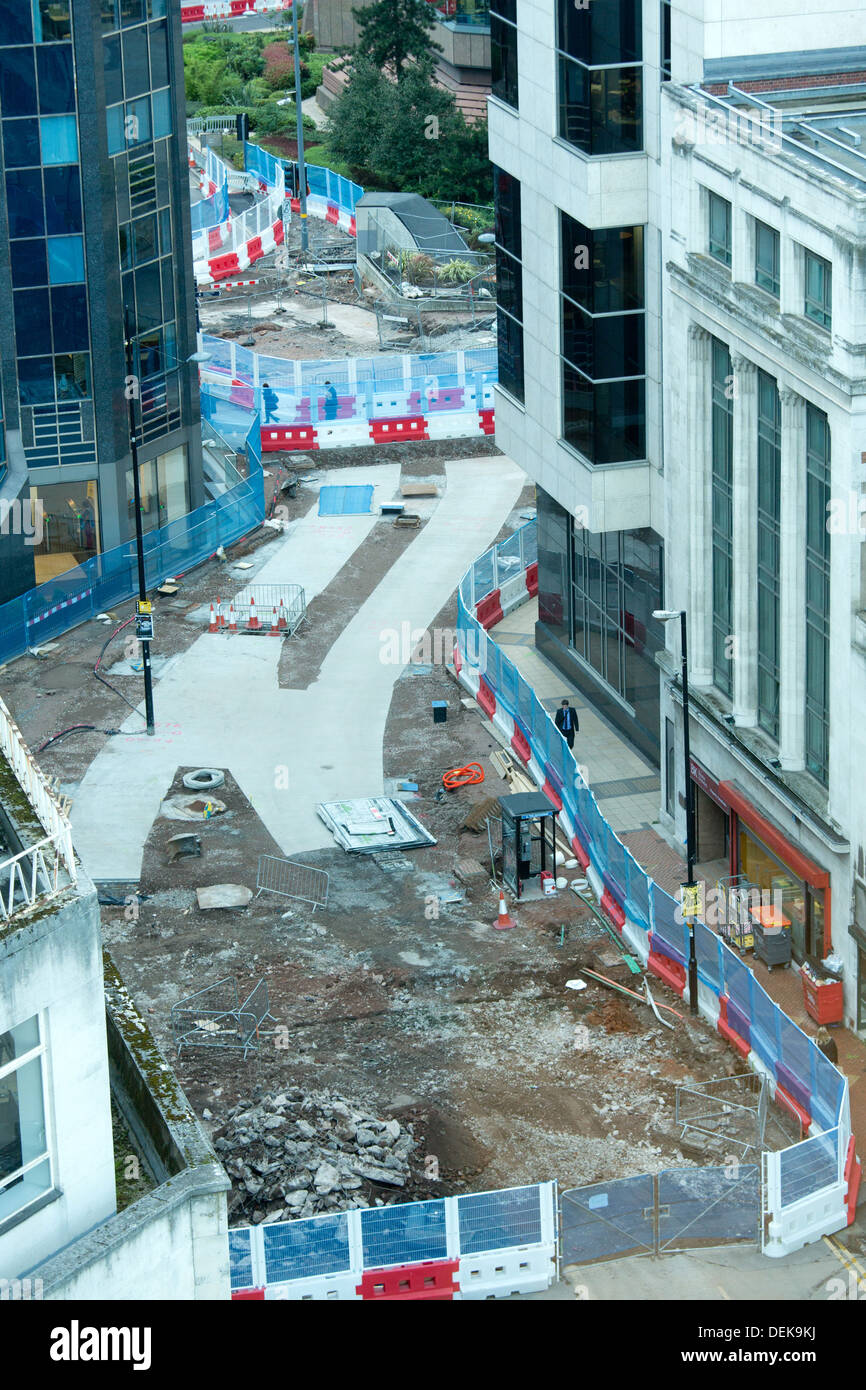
<point x="345" y="501"/>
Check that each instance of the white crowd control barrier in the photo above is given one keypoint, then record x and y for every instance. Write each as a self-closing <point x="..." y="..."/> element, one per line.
<point x="480" y="1245"/>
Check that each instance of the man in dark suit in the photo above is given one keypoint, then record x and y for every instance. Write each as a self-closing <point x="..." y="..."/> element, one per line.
<point x="566" y="722"/>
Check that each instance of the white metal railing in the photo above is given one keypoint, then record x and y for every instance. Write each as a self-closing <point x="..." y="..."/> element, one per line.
<point x="28" y="875"/>
<point x="54" y="821"/>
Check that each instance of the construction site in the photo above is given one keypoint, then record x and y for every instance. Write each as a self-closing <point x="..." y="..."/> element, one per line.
<point x="321" y="917"/>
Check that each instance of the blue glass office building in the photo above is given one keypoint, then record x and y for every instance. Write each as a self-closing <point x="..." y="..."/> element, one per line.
<point x="94" y="217"/>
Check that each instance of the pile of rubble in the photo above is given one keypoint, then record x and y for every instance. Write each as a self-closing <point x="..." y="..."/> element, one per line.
<point x="302" y="1153"/>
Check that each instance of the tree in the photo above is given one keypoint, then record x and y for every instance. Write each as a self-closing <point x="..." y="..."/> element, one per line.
<point x="390" y="32"/>
<point x="353" y="117"/>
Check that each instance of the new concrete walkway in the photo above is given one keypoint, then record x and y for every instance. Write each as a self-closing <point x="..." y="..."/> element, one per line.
<point x="219" y="704"/>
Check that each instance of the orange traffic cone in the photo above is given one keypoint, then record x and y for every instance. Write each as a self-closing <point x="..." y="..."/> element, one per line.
<point x="233" y="626"/>
<point x="275" y="631"/>
<point x="253" y="624"/>
<point x="213" y="625"/>
<point x="283" y="621"/>
<point x="221" y="622"/>
<point x="503" y="921"/>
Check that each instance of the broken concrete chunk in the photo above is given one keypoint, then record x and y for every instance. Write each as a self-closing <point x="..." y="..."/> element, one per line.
<point x="374" y="1173"/>
<point x="223" y="895"/>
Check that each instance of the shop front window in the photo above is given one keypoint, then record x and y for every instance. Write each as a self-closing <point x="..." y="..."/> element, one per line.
<point x="800" y="902"/>
<point x="70" y="527"/>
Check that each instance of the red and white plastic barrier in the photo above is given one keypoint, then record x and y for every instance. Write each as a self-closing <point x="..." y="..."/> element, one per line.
<point x="230" y="9"/>
<point x="344" y="434"/>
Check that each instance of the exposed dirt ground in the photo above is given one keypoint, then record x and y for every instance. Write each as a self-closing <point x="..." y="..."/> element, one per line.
<point x="419" y="1008"/>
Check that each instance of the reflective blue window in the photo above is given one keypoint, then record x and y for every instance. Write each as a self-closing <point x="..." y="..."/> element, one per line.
<point x="69" y="318"/>
<point x="114" y="117"/>
<point x="132" y="11"/>
<point x="155" y="9"/>
<point x="32" y="321"/>
<point x="161" y="114"/>
<point x="113" y="71"/>
<point x="62" y="200"/>
<point x="59" y="139"/>
<point x="24" y="202"/>
<point x="29" y="264"/>
<point x="17" y="81"/>
<point x="15" y="25"/>
<point x="148" y="297"/>
<point x="51" y="21"/>
<point x="65" y="260"/>
<point x="158" y="56"/>
<point x="35" y="380"/>
<point x="136" y="73"/>
<point x="110" y="15"/>
<point x="56" y="79"/>
<point x="21" y="143"/>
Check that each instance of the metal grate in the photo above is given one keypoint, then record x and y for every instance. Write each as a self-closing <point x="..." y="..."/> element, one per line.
<point x="289" y="600"/>
<point x="292" y="880"/>
<point x="303" y="1249"/>
<point x="396" y="1235"/>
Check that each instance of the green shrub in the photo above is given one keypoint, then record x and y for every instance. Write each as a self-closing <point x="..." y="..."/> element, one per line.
<point x="456" y="272"/>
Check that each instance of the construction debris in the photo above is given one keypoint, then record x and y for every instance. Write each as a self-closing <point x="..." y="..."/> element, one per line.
<point x="370" y="824"/>
<point x="191" y="808"/>
<point x="293" y="1154"/>
<point x="410" y="519"/>
<point x="419" y="490"/>
<point x="479" y="814"/>
<point x="223" y="895"/>
<point x="183" y="846"/>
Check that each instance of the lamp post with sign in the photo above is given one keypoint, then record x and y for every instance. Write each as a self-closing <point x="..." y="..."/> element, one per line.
<point x="690" y="890"/>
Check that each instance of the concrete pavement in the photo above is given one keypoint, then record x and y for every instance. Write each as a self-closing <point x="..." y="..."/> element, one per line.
<point x="219" y="704"/>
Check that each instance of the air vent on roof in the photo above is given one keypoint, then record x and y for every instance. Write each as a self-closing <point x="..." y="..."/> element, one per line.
<point x="849" y="135"/>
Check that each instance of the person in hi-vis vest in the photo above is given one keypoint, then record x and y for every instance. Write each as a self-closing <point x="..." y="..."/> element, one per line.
<point x="566" y="722"/>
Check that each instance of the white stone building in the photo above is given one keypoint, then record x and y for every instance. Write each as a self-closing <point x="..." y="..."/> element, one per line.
<point x="681" y="326"/>
<point x="71" y="1046"/>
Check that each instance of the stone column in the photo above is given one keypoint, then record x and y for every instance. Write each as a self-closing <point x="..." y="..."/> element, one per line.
<point x="744" y="606"/>
<point x="698" y="445"/>
<point x="792" y="583"/>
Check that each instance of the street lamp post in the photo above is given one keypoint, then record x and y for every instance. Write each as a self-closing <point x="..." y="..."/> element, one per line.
<point x="302" y="171"/>
<point x="689" y="888"/>
<point x="133" y="386"/>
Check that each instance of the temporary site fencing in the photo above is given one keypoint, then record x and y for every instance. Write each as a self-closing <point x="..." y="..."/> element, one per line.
<point x="332" y="197"/>
<point x="481" y="1245"/>
<point x="94" y="585"/>
<point x="198" y="13"/>
<point x="659" y="1213"/>
<point x="238" y="240"/>
<point x="810" y="1188"/>
<point x="389" y="386"/>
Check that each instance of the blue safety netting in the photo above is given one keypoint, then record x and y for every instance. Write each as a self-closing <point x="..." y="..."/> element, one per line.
<point x="210" y="212"/>
<point x="673" y="933"/>
<point x="240" y="1259"/>
<point x="303" y="1249"/>
<point x="739" y="982"/>
<point x="707" y="953"/>
<point x="397" y="1235"/>
<point x="345" y="501"/>
<point x="498" y="1220"/>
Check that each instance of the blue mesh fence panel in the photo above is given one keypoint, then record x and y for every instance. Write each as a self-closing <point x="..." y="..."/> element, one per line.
<point x="498" y="1220"/>
<point x="765" y="1025"/>
<point x="828" y="1088"/>
<point x="220" y="350"/>
<point x="808" y="1167"/>
<point x="525" y="700"/>
<point x="707" y="952"/>
<point x="795" y="1050"/>
<point x="12" y="639"/>
<point x="704" y="1205"/>
<point x="637" y="892"/>
<point x="303" y="1249"/>
<point x="615" y="866"/>
<point x="673" y="933"/>
<point x="508" y="679"/>
<point x="491" y="665"/>
<point x="397" y="1235"/>
<point x="240" y="1260"/>
<point x="596" y="826"/>
<point x="738" y="981"/>
<point x="607" y="1219"/>
<point x="483" y="575"/>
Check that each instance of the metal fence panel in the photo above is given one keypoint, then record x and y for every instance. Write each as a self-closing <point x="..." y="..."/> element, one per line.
<point x="707" y="953"/>
<point x="290" y="880"/>
<point x="240" y="1258"/>
<point x="303" y="1249"/>
<point x="708" y="1206"/>
<point x="809" y="1166"/>
<point x="674" y="934"/>
<point x="604" y="1221"/>
<point x="499" y="1220"/>
<point x="403" y="1234"/>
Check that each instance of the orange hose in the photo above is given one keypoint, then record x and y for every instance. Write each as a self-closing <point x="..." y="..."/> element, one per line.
<point x="462" y="776"/>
